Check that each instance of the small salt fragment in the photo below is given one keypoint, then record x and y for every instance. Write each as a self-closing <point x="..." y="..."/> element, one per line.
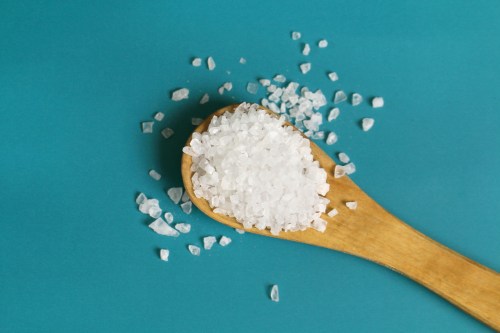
<point x="334" y="113"/>
<point x="183" y="227"/>
<point x="159" y="116"/>
<point x="367" y="124"/>
<point x="175" y="194"/>
<point x="167" y="132"/>
<point x="351" y="205"/>
<point x="161" y="227"/>
<point x="377" y="102"/>
<point x="211" y="63"/>
<point x="323" y="43"/>
<point x="318" y="135"/>
<point x="208" y="242"/>
<point x="275" y="295"/>
<point x="196" y="62"/>
<point x="140" y="198"/>
<point x="279" y="78"/>
<point x="319" y="225"/>
<point x="243" y="61"/>
<point x="221" y="90"/>
<point x="224" y="241"/>
<point x="340" y="96"/>
<point x="331" y="138"/>
<point x="185" y="196"/>
<point x="164" y="253"/>
<point x="305" y="67"/>
<point x="344" y="158"/>
<point x="339" y="171"/>
<point x="180" y="94"/>
<point x="333" y="212"/>
<point x="187" y="207"/>
<point x="147" y="127"/>
<point x="154" y="174"/>
<point x="252" y="87"/>
<point x="154" y="211"/>
<point x="195" y="250"/>
<point x="333" y="76"/>
<point x="204" y="99"/>
<point x="356" y="99"/>
<point x="228" y="86"/>
<point x="265" y="82"/>
<point x="349" y="168"/>
<point x="169" y="217"/>
<point x="196" y="121"/>
<point x="306" y="50"/>
<point x="296" y="35"/>
<point x="240" y="231"/>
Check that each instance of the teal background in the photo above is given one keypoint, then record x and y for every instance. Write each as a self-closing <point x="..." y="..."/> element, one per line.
<point x="78" y="77"/>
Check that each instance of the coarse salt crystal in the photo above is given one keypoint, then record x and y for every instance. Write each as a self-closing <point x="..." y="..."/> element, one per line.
<point x="208" y="242"/>
<point x="161" y="227"/>
<point x="196" y="121"/>
<point x="175" y="194"/>
<point x="180" y="94"/>
<point x="195" y="250"/>
<point x="164" y="254"/>
<point x="349" y="168"/>
<point x="211" y="63"/>
<point x="306" y="50"/>
<point x="305" y="67"/>
<point x="196" y="62"/>
<point x="147" y="127"/>
<point x="333" y="212"/>
<point x="154" y="174"/>
<point x="140" y="198"/>
<point x="296" y="35"/>
<point x="187" y="207"/>
<point x="224" y="241"/>
<point x="279" y="78"/>
<point x="323" y="43"/>
<point x="351" y="205"/>
<point x="252" y="87"/>
<point x="240" y="231"/>
<point x="167" y="132"/>
<point x="331" y="138"/>
<point x="334" y="113"/>
<point x="339" y="171"/>
<point x="274" y="294"/>
<point x="204" y="99"/>
<point x="265" y="82"/>
<point x="367" y="123"/>
<point x="320" y="135"/>
<point x="185" y="196"/>
<point x="183" y="227"/>
<point x="343" y="158"/>
<point x="154" y="212"/>
<point x="169" y="217"/>
<point x="159" y="116"/>
<point x="243" y="61"/>
<point x="377" y="102"/>
<point x="340" y="96"/>
<point x="333" y="76"/>
<point x="228" y="86"/>
<point x="356" y="99"/>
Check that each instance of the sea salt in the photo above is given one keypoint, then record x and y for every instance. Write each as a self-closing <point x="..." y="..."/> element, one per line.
<point x="322" y="43"/>
<point x="195" y="250"/>
<point x="265" y="82"/>
<point x="240" y="231"/>
<point x="305" y="67"/>
<point x="140" y="198"/>
<point x="224" y="241"/>
<point x="252" y="87"/>
<point x="243" y="61"/>
<point x="333" y="212"/>
<point x="183" y="227"/>
<point x="154" y="174"/>
<point x="343" y="158"/>
<point x="204" y="99"/>
<point x="340" y="96"/>
<point x="367" y="123"/>
<point x="333" y="76"/>
<point x="334" y="113"/>
<point x="351" y="205"/>
<point x="320" y="135"/>
<point x="187" y="207"/>
<point x="339" y="171"/>
<point x="161" y="227"/>
<point x="167" y="132"/>
<point x="306" y="50"/>
<point x="349" y="168"/>
<point x="185" y="196"/>
<point x="196" y="62"/>
<point x="228" y="86"/>
<point x="377" y="102"/>
<point x="164" y="254"/>
<point x="296" y="35"/>
<point x="147" y="127"/>
<point x="208" y="242"/>
<point x="279" y="78"/>
<point x="175" y="194"/>
<point x="169" y="217"/>
<point x="331" y="138"/>
<point x="196" y="121"/>
<point x="274" y="294"/>
<point x="159" y="116"/>
<point x="356" y="99"/>
<point x="211" y="63"/>
<point x="180" y="94"/>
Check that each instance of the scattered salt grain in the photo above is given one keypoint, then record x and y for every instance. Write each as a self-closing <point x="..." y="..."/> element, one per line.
<point x="319" y="224"/>
<point x="351" y="205"/>
<point x="169" y="217"/>
<point x="339" y="171"/>
<point x="367" y="123"/>
<point x="140" y="198"/>
<point x="183" y="227"/>
<point x="344" y="158"/>
<point x="147" y="127"/>
<point x="333" y="212"/>
<point x="185" y="196"/>
<point x="323" y="43"/>
<point x="340" y="96"/>
<point x="164" y="253"/>
<point x="195" y="250"/>
<point x="211" y="63"/>
<point x="306" y="50"/>
<point x="320" y="135"/>
<point x="187" y="207"/>
<point x="196" y="121"/>
<point x="265" y="82"/>
<point x="279" y="78"/>
<point x="228" y="86"/>
<point x="334" y="113"/>
<point x="167" y="132"/>
<point x="356" y="99"/>
<point x="333" y="76"/>
<point x="208" y="242"/>
<point x="196" y="62"/>
<point x="159" y="116"/>
<point x="240" y="231"/>
<point x="305" y="67"/>
<point x="180" y="94"/>
<point x="349" y="168"/>
<point x="175" y="194"/>
<point x="224" y="241"/>
<point x="161" y="227"/>
<point x="296" y="35"/>
<point x="204" y="99"/>
<point x="275" y="295"/>
<point x="154" y="174"/>
<point x="377" y="102"/>
<point x="252" y="87"/>
<point x="154" y="212"/>
<point x="331" y="138"/>
<point x="243" y="61"/>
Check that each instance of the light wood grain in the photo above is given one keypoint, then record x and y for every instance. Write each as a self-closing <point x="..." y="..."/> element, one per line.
<point x="372" y="233"/>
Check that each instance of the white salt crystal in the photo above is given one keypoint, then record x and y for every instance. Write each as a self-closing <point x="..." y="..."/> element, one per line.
<point x="351" y="205"/>
<point x="331" y="138"/>
<point x="164" y="253"/>
<point x="187" y="207"/>
<point x="318" y="135"/>
<point x="349" y="168"/>
<point x="339" y="171"/>
<point x="161" y="227"/>
<point x="367" y="123"/>
<point x="356" y="99"/>
<point x="343" y="158"/>
<point x="306" y="50"/>
<point x="323" y="43"/>
<point x="275" y="295"/>
<point x="159" y="116"/>
<point x="211" y="63"/>
<point x="279" y="78"/>
<point x="265" y="82"/>
<point x="228" y="86"/>
<point x="340" y="96"/>
<point x="223" y="241"/>
<point x="208" y="242"/>
<point x="377" y="102"/>
<point x="196" y="121"/>
<point x="334" y="113"/>
<point x="183" y="227"/>
<point x="252" y="87"/>
<point x="195" y="250"/>
<point x="240" y="231"/>
<point x="180" y="94"/>
<point x="154" y="174"/>
<point x="333" y="212"/>
<point x="196" y="62"/>
<point x="204" y="99"/>
<point x="319" y="224"/>
<point x="185" y="196"/>
<point x="296" y="35"/>
<point x="154" y="212"/>
<point x="333" y="76"/>
<point x="167" y="132"/>
<point x="175" y="194"/>
<point x="221" y="90"/>
<point x="140" y="198"/>
<point x="305" y="67"/>
<point x="147" y="127"/>
<point x="169" y="217"/>
<point x="243" y="61"/>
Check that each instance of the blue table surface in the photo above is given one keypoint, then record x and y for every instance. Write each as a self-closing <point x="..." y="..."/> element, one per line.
<point x="78" y="77"/>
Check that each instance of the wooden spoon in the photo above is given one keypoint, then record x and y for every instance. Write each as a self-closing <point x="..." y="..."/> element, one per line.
<point x="372" y="233"/>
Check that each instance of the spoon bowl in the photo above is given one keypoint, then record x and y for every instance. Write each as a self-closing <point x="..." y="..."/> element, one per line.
<point x="372" y="233"/>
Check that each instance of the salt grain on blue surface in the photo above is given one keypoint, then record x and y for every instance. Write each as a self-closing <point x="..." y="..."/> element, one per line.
<point x="185" y="196"/>
<point x="208" y="242"/>
<point x="243" y="61"/>
<point x="279" y="78"/>
<point x="195" y="250"/>
<point x="175" y="194"/>
<point x="340" y="96"/>
<point x="333" y="76"/>
<point x="180" y="94"/>
<point x="343" y="158"/>
<point x="187" y="207"/>
<point x="306" y="50"/>
<point x="169" y="217"/>
<point x="322" y="43"/>
<point x="204" y="99"/>
<point x="164" y="254"/>
<point x="356" y="99"/>
<point x="377" y="102"/>
<point x="334" y="113"/>
<point x="296" y="35"/>
<point x="154" y="174"/>
<point x="159" y="116"/>
<point x="265" y="82"/>
<point x="167" y="132"/>
<point x="224" y="241"/>
<point x="367" y="124"/>
<point x="196" y="62"/>
<point x="147" y="127"/>
<point x="331" y="138"/>
<point x="275" y="296"/>
<point x="140" y="198"/>
<point x="339" y="171"/>
<point x="252" y="87"/>
<point x="211" y="63"/>
<point x="196" y="121"/>
<point x="240" y="231"/>
<point x="183" y="227"/>
<point x="161" y="227"/>
<point x="305" y="67"/>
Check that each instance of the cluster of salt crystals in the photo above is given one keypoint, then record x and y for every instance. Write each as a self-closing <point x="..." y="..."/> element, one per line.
<point x="228" y="86"/>
<point x="175" y="194"/>
<point x="249" y="166"/>
<point x="147" y="206"/>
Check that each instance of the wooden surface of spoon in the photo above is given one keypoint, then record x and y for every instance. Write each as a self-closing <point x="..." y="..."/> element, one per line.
<point x="372" y="233"/>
